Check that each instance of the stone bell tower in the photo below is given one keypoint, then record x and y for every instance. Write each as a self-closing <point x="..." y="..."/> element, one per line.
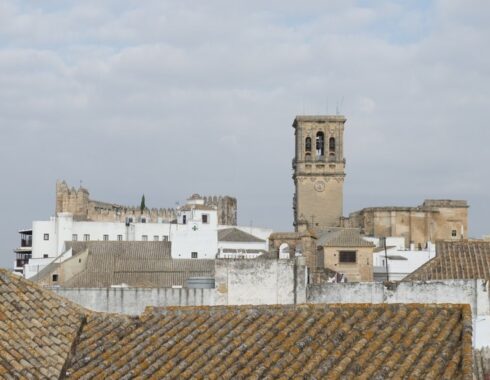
<point x="319" y="170"/>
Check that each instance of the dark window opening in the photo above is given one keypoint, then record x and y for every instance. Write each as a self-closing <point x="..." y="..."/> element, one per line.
<point x="45" y="256"/>
<point x="55" y="278"/>
<point x="331" y="144"/>
<point x="205" y="218"/>
<point x="320" y="144"/>
<point x="106" y="237"/>
<point x="194" y="255"/>
<point x="184" y="219"/>
<point x="454" y="233"/>
<point x="347" y="256"/>
<point x="86" y="237"/>
<point x="308" y="144"/>
<point x="46" y="236"/>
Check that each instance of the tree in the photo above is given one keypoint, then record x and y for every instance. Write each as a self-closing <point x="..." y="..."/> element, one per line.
<point x="143" y="205"/>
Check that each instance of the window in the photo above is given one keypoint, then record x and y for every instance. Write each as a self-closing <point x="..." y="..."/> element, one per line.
<point x="55" y="278"/>
<point x="205" y="218"/>
<point x="106" y="237"/>
<point x="86" y="237"/>
<point x="144" y="237"/>
<point x="165" y="238"/>
<point x="454" y="233"/>
<point x="119" y="237"/>
<point x="308" y="144"/>
<point x="194" y="255"/>
<point x="143" y="220"/>
<point x="331" y="144"/>
<point x="45" y="256"/>
<point x="347" y="256"/>
<point x="130" y="220"/>
<point x="320" y="144"/>
<point x="74" y="237"/>
<point x="156" y="238"/>
<point x="46" y="236"/>
<point x="184" y="219"/>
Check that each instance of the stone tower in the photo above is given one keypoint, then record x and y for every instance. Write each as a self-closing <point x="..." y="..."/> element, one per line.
<point x="319" y="170"/>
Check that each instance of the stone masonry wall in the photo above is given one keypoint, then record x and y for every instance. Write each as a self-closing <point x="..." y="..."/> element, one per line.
<point x="78" y="202"/>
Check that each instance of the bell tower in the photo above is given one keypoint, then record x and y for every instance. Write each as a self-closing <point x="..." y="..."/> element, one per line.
<point x="319" y="170"/>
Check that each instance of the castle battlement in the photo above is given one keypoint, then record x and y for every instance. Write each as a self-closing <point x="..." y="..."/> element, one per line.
<point x="78" y="202"/>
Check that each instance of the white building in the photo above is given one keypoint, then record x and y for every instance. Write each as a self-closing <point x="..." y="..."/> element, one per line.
<point x="398" y="260"/>
<point x="194" y="236"/>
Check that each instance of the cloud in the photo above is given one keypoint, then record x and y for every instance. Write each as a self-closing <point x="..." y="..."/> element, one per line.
<point x="171" y="98"/>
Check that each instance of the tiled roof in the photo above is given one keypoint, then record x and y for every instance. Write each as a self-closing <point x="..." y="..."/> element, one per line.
<point x="37" y="329"/>
<point x="236" y="235"/>
<point x="343" y="237"/>
<point x="456" y="260"/>
<point x="482" y="363"/>
<point x="306" y="341"/>
<point x="136" y="264"/>
<point x="43" y="336"/>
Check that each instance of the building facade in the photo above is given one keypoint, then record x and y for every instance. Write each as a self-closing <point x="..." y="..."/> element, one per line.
<point x="433" y="220"/>
<point x="194" y="234"/>
<point x="319" y="170"/>
<point x="78" y="203"/>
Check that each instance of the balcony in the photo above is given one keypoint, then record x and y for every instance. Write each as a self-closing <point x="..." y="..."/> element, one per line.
<point x="25" y="243"/>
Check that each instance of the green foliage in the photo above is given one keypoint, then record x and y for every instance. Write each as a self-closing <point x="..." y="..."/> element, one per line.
<point x="143" y="204"/>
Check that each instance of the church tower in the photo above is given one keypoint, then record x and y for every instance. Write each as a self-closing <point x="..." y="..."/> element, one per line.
<point x="319" y="170"/>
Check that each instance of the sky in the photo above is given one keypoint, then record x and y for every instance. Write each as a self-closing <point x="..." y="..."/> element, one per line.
<point x="170" y="98"/>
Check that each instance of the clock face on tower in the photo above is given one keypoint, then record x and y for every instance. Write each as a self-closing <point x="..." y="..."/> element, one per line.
<point x="319" y="186"/>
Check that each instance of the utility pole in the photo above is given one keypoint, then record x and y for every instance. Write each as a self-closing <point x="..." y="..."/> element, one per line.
<point x="386" y="259"/>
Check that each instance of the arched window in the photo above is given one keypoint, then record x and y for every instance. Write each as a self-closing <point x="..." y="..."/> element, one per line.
<point x="308" y="144"/>
<point x="331" y="144"/>
<point x="320" y="144"/>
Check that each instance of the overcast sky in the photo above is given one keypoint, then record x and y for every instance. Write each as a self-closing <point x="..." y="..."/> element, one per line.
<point x="169" y="98"/>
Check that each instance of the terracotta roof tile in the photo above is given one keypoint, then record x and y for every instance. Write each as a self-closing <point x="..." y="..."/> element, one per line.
<point x="456" y="260"/>
<point x="343" y="237"/>
<point x="236" y="235"/>
<point x="44" y="336"/>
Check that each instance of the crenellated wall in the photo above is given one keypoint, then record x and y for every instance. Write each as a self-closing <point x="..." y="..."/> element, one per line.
<point x="78" y="202"/>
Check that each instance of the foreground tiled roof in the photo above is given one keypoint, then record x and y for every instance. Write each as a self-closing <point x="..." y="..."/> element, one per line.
<point x="456" y="260"/>
<point x="136" y="264"/>
<point x="37" y="329"/>
<point x="237" y="235"/>
<point x="482" y="363"/>
<point x="46" y="337"/>
<point x="343" y="237"/>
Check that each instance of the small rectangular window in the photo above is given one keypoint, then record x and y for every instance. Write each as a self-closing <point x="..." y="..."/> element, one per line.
<point x="194" y="255"/>
<point x="454" y="233"/>
<point x="106" y="237"/>
<point x="165" y="238"/>
<point x="46" y="236"/>
<point x="74" y="237"/>
<point x="119" y="237"/>
<point x="156" y="238"/>
<point x="205" y="218"/>
<point x="144" y="238"/>
<point x="86" y="237"/>
<point x="45" y="256"/>
<point x="143" y="220"/>
<point x="347" y="256"/>
<point x="55" y="278"/>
